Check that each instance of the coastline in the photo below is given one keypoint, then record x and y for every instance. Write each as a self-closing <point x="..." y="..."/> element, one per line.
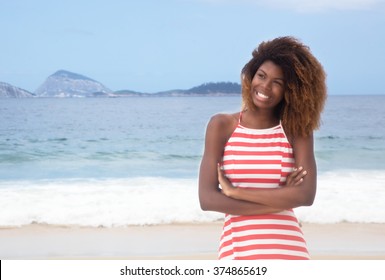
<point x="341" y="241"/>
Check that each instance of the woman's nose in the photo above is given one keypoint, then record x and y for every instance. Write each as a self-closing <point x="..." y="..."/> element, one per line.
<point x="267" y="84"/>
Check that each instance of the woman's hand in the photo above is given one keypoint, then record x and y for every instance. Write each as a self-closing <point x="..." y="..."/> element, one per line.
<point x="227" y="188"/>
<point x="296" y="177"/>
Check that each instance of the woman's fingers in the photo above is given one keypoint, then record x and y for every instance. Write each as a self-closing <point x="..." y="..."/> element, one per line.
<point x="296" y="177"/>
<point x="224" y="183"/>
<point x="221" y="175"/>
<point x="219" y="169"/>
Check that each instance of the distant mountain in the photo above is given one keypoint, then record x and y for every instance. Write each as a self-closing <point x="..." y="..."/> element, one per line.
<point x="67" y="84"/>
<point x="129" y="93"/>
<point x="206" y="89"/>
<point x="7" y="90"/>
<point x="215" y="88"/>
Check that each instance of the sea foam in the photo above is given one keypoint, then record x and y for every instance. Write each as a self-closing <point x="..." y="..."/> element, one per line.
<point x="342" y="196"/>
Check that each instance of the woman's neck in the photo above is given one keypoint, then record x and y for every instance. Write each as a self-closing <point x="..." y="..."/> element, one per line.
<point x="259" y="119"/>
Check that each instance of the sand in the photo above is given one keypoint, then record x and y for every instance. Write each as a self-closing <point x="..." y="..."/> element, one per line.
<point x="343" y="241"/>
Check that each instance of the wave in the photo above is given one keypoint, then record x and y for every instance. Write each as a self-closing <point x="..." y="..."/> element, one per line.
<point x="108" y="202"/>
<point x="354" y="196"/>
<point x="342" y="196"/>
<point x="355" y="138"/>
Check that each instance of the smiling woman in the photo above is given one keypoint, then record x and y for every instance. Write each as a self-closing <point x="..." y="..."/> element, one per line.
<point x="268" y="85"/>
<point x="263" y="157"/>
<point x="299" y="72"/>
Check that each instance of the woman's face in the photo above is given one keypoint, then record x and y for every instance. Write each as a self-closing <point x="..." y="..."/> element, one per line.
<point x="268" y="86"/>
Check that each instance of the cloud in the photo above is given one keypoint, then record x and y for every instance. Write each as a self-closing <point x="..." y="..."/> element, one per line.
<point x="310" y="5"/>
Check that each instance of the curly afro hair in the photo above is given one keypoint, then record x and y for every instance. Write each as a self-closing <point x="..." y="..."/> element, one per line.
<point x="305" y="83"/>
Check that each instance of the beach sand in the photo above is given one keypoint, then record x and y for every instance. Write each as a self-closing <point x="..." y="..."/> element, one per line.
<point x="345" y="241"/>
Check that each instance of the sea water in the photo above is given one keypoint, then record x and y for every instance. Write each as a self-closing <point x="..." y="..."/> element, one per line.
<point x="134" y="161"/>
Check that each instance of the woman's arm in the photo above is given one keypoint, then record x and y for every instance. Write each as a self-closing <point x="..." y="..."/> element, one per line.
<point x="300" y="188"/>
<point x="211" y="198"/>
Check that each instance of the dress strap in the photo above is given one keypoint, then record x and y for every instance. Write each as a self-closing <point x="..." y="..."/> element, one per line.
<point x="240" y="117"/>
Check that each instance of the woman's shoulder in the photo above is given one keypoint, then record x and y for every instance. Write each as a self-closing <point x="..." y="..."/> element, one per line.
<point x="221" y="126"/>
<point x="224" y="120"/>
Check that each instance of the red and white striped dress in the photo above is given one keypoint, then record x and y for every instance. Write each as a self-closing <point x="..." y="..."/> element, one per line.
<point x="260" y="158"/>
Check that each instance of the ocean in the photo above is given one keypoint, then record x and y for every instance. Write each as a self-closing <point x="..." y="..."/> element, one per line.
<point x="113" y="162"/>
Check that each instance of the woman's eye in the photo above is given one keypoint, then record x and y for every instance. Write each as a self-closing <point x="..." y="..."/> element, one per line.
<point x="278" y="83"/>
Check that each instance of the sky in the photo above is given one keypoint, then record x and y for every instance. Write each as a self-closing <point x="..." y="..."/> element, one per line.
<point x="154" y="45"/>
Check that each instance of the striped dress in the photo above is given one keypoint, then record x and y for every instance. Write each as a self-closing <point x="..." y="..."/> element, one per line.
<point x="260" y="158"/>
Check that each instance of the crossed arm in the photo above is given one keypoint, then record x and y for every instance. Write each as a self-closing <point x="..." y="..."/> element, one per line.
<point x="299" y="190"/>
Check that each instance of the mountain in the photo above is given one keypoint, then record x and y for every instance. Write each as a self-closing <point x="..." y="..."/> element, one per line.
<point x="129" y="93"/>
<point x="206" y="89"/>
<point x="7" y="90"/>
<point x="67" y="84"/>
<point x="216" y="88"/>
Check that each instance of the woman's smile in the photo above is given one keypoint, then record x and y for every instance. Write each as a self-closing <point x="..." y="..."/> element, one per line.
<point x="262" y="96"/>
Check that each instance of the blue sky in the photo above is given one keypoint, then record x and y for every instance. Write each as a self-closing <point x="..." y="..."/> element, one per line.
<point x="155" y="45"/>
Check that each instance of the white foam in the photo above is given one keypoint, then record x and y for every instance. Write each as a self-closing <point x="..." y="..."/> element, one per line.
<point x="347" y="196"/>
<point x="114" y="202"/>
<point x="342" y="196"/>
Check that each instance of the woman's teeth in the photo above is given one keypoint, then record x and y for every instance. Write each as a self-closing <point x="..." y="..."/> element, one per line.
<point x="262" y="95"/>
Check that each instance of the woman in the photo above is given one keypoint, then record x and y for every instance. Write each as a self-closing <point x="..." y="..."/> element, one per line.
<point x="262" y="157"/>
